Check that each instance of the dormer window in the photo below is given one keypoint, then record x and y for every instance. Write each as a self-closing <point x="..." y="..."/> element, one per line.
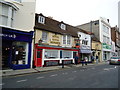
<point x="41" y="19"/>
<point x="63" y="26"/>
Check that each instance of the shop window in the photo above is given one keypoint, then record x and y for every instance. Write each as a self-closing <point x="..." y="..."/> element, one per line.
<point x="51" y="54"/>
<point x="20" y="53"/>
<point x="66" y="54"/>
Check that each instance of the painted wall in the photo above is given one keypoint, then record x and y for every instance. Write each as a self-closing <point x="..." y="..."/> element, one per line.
<point x="24" y="17"/>
<point x="119" y="15"/>
<point x="96" y="45"/>
<point x="86" y="37"/>
<point x="53" y="39"/>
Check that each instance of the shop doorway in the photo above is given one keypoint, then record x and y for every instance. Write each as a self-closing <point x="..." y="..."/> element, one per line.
<point x="39" y="58"/>
<point x="6" y="50"/>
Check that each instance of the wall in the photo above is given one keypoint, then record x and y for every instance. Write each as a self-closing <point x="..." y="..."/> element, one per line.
<point x="96" y="45"/>
<point x="88" y="38"/>
<point x="24" y="18"/>
<point x="119" y="15"/>
<point x="53" y="39"/>
<point x="95" y="28"/>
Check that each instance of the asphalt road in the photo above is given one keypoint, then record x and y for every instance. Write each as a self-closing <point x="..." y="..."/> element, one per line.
<point x="95" y="76"/>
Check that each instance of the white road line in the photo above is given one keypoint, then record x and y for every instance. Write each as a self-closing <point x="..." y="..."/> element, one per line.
<point x="107" y="69"/>
<point x="74" y="71"/>
<point x="40" y="77"/>
<point x="22" y="80"/>
<point x="65" y="73"/>
<point x="53" y="75"/>
<point x="2" y="84"/>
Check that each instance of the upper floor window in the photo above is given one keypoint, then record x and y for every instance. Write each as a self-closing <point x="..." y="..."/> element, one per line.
<point x="7" y="15"/>
<point x="63" y="26"/>
<point x="67" y="39"/>
<point x="44" y="37"/>
<point x="105" y="29"/>
<point x="84" y="42"/>
<point x="41" y="19"/>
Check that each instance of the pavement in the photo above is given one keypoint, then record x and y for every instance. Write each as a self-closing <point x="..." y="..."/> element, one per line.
<point x="12" y="72"/>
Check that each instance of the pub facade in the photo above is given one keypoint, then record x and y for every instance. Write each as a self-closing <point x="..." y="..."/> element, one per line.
<point x="55" y="42"/>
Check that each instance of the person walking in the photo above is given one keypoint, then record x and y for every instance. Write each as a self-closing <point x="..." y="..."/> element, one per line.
<point x="96" y="59"/>
<point x="76" y="59"/>
<point x="85" y="60"/>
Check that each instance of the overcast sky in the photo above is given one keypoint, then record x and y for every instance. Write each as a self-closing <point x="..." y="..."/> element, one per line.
<point x="76" y="12"/>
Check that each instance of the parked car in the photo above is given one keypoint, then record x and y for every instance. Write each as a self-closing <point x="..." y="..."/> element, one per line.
<point x="114" y="60"/>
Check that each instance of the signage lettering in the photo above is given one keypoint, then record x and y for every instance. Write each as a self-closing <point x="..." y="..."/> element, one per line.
<point x="55" y="39"/>
<point x="8" y="35"/>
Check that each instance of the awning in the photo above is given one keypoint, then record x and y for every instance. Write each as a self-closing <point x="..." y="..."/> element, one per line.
<point x="85" y="51"/>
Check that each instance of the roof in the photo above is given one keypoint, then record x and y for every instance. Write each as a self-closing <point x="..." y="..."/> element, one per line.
<point x="52" y="25"/>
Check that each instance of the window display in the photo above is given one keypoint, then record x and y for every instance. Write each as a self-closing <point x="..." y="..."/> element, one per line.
<point x="51" y="54"/>
<point x="19" y="53"/>
<point x="66" y="54"/>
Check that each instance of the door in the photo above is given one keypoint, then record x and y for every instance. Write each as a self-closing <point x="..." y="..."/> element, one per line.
<point x="39" y="58"/>
<point x="6" y="54"/>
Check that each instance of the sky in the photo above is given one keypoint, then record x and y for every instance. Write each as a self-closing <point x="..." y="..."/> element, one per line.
<point x="77" y="12"/>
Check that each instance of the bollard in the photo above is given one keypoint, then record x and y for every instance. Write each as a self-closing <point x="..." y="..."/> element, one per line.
<point x="62" y="63"/>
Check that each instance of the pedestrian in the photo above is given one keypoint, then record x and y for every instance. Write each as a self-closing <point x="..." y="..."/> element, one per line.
<point x="96" y="59"/>
<point x="92" y="58"/>
<point x="85" y="60"/>
<point x="76" y="59"/>
<point x="82" y="62"/>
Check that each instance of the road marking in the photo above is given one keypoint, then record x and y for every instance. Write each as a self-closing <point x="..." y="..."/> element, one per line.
<point x="92" y="68"/>
<point x="40" y="77"/>
<point x="65" y="73"/>
<point x="22" y="80"/>
<point x="2" y="84"/>
<point x="74" y="71"/>
<point x="53" y="75"/>
<point x="107" y="69"/>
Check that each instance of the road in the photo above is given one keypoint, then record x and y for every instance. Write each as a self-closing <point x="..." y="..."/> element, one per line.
<point x="94" y="76"/>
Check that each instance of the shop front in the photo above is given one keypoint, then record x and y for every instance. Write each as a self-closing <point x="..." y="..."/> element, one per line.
<point x="85" y="52"/>
<point x="106" y="51"/>
<point x="45" y="55"/>
<point x="16" y="49"/>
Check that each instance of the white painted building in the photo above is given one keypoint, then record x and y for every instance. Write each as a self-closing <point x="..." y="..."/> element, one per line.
<point x="105" y="37"/>
<point x="119" y="15"/>
<point x="102" y="31"/>
<point x="85" y="45"/>
<point x="18" y="14"/>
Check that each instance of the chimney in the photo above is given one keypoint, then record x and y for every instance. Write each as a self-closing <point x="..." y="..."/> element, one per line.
<point x="50" y="17"/>
<point x="108" y="20"/>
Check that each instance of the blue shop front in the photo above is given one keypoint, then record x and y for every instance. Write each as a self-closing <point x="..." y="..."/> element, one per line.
<point x="16" y="49"/>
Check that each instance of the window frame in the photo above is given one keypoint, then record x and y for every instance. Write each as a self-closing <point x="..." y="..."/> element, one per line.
<point x="44" y="37"/>
<point x="41" y="19"/>
<point x="66" y="41"/>
<point x="63" y="26"/>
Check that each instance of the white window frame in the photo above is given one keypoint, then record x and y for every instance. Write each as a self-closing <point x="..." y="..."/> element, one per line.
<point x="63" y="26"/>
<point x="41" y="19"/>
<point x="9" y="16"/>
<point x="66" y="41"/>
<point x="44" y="39"/>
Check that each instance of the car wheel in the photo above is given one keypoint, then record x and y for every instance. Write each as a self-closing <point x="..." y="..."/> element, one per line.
<point x="110" y="63"/>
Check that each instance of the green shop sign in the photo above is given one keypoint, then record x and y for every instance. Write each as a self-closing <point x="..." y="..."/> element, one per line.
<point x="106" y="46"/>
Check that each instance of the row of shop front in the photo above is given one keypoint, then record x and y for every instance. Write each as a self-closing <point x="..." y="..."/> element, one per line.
<point x="17" y="51"/>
